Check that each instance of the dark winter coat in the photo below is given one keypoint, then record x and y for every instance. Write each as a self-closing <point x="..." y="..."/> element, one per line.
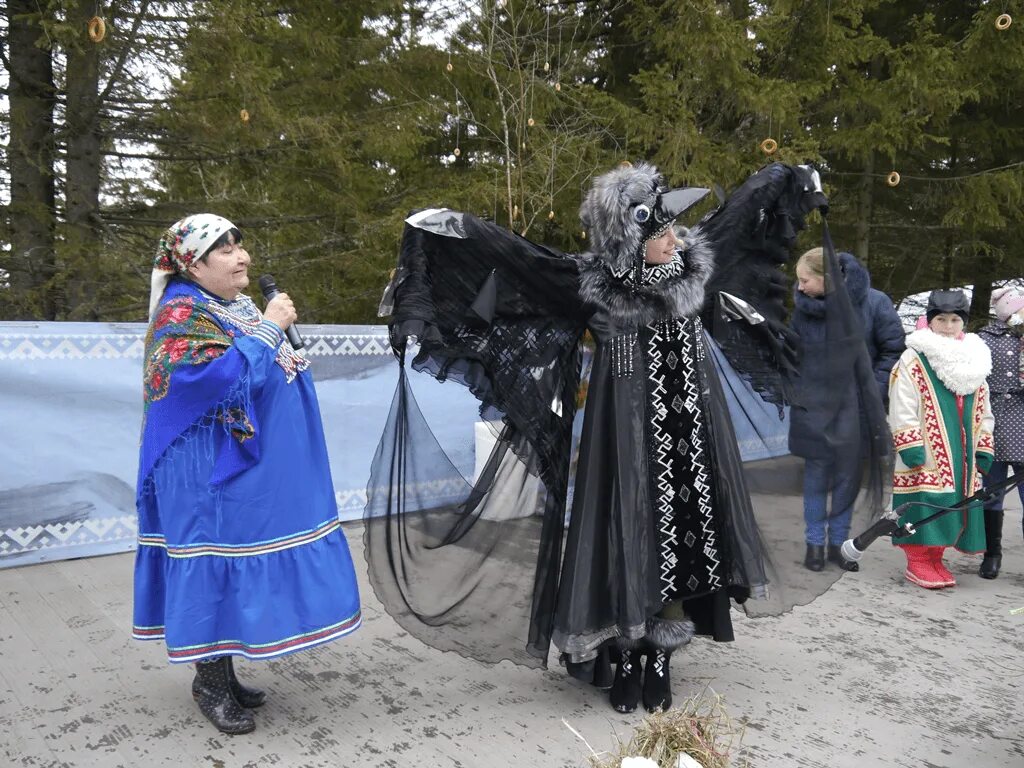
<point x="884" y="336"/>
<point x="1006" y="390"/>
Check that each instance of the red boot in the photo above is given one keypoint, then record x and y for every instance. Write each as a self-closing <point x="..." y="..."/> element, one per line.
<point x="920" y="570"/>
<point x="940" y="568"/>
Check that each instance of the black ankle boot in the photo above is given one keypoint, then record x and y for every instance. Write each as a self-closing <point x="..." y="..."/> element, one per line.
<point x="663" y="637"/>
<point x="250" y="698"/>
<point x="835" y="555"/>
<point x="625" y="694"/>
<point x="657" y="693"/>
<point x="990" y="565"/>
<point x="993" y="544"/>
<point x="604" y="675"/>
<point x="814" y="560"/>
<point x="215" y="699"/>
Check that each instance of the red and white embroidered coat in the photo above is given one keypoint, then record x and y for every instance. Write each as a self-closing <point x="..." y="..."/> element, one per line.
<point x="941" y="419"/>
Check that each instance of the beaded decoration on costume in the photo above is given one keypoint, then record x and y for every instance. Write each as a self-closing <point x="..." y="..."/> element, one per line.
<point x="655" y="273"/>
<point x="243" y="314"/>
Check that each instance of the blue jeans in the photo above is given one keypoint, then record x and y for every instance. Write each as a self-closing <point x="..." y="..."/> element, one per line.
<point x="843" y="479"/>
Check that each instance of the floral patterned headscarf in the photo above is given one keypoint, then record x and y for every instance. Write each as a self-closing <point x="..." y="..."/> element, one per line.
<point x="180" y="246"/>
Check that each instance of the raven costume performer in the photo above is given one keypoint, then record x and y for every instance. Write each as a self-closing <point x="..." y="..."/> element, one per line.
<point x="662" y="531"/>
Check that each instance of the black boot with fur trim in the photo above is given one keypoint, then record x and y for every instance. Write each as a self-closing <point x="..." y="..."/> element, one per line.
<point x="663" y="637"/>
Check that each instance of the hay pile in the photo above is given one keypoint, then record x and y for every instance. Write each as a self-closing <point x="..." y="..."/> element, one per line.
<point x="699" y="727"/>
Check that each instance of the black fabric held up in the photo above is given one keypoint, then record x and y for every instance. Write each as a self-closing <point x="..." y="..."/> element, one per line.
<point x="476" y="565"/>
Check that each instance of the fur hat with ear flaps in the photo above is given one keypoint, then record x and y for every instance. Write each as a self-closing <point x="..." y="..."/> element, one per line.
<point x="624" y="209"/>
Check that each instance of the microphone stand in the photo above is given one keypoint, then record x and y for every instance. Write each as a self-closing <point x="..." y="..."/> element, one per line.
<point x="889" y="525"/>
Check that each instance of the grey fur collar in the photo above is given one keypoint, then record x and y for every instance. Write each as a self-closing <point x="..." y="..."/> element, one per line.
<point x="633" y="306"/>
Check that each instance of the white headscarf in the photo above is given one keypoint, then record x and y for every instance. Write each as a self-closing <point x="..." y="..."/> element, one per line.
<point x="185" y="242"/>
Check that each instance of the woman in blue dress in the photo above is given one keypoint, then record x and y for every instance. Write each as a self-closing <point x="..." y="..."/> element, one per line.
<point x="240" y="550"/>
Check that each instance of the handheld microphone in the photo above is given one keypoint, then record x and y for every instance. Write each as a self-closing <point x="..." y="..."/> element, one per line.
<point x="853" y="549"/>
<point x="269" y="288"/>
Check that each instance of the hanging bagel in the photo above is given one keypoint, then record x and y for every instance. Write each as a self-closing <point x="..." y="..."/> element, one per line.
<point x="1003" y="22"/>
<point x="449" y="67"/>
<point x="97" y="29"/>
<point x="530" y="122"/>
<point x="244" y="115"/>
<point x="893" y="179"/>
<point x="558" y="86"/>
<point x="769" y="146"/>
<point x="457" y="152"/>
<point x="551" y="215"/>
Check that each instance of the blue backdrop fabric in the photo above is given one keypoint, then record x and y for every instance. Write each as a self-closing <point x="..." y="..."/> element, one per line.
<point x="71" y="414"/>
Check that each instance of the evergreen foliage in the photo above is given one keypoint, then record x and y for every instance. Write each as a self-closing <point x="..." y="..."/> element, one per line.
<point x="318" y="126"/>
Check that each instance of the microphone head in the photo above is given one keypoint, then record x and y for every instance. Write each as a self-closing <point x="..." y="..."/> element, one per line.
<point x="267" y="284"/>
<point x="849" y="551"/>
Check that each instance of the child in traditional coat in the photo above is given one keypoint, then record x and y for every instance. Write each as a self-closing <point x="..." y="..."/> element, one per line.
<point x="941" y="420"/>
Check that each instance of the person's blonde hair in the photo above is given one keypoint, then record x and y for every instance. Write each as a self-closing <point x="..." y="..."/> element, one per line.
<point x="814" y="262"/>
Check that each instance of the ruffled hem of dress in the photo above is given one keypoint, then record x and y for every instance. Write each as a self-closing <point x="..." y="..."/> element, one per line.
<point x="255" y="625"/>
<point x="186" y="655"/>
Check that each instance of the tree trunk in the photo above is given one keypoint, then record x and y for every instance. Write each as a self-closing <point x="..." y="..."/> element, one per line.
<point x="84" y="163"/>
<point x="30" y="163"/>
<point x="983" y="272"/>
<point x="865" y="201"/>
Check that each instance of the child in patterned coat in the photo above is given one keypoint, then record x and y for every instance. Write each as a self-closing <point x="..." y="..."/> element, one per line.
<point x="941" y="419"/>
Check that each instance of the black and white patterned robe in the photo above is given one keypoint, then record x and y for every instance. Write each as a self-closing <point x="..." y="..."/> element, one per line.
<point x="647" y="525"/>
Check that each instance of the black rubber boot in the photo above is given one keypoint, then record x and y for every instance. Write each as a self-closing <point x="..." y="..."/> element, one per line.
<point x="814" y="560"/>
<point x="835" y="555"/>
<point x="250" y="698"/>
<point x="215" y="699"/>
<point x="625" y="693"/>
<point x="993" y="559"/>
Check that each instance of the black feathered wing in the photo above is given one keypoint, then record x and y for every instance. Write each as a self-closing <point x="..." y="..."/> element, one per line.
<point x="752" y="234"/>
<point x="501" y="315"/>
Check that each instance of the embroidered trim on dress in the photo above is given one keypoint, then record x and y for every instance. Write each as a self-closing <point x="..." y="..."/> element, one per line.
<point x="240" y="550"/>
<point x="180" y="655"/>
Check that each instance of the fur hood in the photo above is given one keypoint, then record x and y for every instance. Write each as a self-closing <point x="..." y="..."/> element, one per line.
<point x="961" y="364"/>
<point x="677" y="295"/>
<point x="607" y="213"/>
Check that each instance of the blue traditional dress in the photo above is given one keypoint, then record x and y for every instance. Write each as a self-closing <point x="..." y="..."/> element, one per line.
<point x="240" y="546"/>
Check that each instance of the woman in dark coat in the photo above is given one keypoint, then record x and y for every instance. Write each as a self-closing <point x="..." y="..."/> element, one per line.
<point x="826" y="429"/>
<point x="1006" y="388"/>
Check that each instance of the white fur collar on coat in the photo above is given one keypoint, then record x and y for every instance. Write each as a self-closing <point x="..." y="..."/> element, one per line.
<point x="961" y="364"/>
